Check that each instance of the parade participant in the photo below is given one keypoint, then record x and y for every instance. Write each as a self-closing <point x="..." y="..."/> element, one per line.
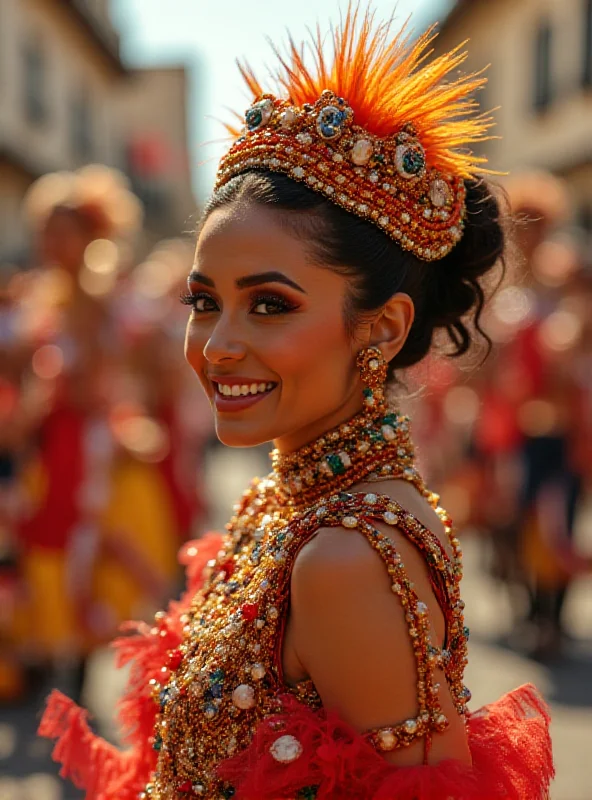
<point x="321" y="653"/>
<point x="66" y="449"/>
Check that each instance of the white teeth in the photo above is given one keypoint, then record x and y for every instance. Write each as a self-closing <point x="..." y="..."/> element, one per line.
<point x="244" y="389"/>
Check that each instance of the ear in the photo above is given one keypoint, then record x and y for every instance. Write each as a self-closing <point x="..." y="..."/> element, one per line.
<point x="391" y="327"/>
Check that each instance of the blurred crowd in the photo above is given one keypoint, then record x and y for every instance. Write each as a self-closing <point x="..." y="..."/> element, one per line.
<point x="509" y="444"/>
<point x="101" y="428"/>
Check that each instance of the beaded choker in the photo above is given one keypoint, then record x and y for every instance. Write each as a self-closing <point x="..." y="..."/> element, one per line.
<point x="367" y="447"/>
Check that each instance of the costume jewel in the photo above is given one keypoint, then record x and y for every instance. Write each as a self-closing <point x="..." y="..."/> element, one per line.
<point x="377" y="131"/>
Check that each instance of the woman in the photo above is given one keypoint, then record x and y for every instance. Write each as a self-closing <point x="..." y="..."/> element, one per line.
<point x="323" y="654"/>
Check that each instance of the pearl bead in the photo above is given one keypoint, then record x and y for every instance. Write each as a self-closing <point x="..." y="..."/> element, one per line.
<point x="286" y="749"/>
<point x="244" y="696"/>
<point x="258" y="672"/>
<point x="386" y="740"/>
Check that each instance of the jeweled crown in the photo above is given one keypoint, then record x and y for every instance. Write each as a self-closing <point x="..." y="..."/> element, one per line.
<point x="378" y="132"/>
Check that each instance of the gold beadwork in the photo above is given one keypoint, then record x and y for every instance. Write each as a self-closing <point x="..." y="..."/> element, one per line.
<point x="226" y="678"/>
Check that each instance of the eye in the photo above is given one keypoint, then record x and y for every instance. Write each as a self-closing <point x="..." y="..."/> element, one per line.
<point x="200" y="302"/>
<point x="271" y="305"/>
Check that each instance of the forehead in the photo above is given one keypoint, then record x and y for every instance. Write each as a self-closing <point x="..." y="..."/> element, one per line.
<point x="249" y="233"/>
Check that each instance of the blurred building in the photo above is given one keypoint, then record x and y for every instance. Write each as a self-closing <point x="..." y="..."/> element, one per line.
<point x="153" y="112"/>
<point x="67" y="99"/>
<point x="540" y="53"/>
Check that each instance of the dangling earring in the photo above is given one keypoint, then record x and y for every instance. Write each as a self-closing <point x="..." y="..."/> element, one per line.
<point x="373" y="372"/>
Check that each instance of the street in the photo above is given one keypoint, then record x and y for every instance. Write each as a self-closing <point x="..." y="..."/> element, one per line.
<point x="26" y="772"/>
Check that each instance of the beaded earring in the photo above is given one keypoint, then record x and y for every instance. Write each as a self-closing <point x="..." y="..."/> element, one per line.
<point x="373" y="373"/>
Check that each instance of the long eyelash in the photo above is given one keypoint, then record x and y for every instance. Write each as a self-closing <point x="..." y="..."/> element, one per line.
<point x="187" y="298"/>
<point x="273" y="299"/>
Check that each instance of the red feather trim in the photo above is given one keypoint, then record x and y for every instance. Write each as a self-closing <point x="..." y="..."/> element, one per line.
<point x="509" y="741"/>
<point x="88" y="760"/>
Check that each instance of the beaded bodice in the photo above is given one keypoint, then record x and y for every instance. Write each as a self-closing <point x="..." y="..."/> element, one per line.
<point x="227" y="675"/>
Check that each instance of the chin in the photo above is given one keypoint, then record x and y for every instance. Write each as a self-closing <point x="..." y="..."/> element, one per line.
<point x="241" y="435"/>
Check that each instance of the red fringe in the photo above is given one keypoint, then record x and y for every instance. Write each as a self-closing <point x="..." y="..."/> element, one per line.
<point x="509" y="741"/>
<point x="91" y="763"/>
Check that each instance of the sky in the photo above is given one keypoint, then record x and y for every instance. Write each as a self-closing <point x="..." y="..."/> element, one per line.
<point x="208" y="36"/>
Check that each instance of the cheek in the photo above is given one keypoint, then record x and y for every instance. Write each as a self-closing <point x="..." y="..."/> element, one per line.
<point x="316" y="354"/>
<point x="195" y="342"/>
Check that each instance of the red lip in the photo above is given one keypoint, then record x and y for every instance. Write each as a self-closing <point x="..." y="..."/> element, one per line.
<point x="228" y="403"/>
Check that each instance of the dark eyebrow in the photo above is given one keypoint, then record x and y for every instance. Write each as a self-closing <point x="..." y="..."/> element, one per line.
<point x="249" y="280"/>
<point x="267" y="277"/>
<point x="199" y="277"/>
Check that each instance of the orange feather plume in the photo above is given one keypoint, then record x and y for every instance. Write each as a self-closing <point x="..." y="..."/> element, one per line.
<point x="389" y="81"/>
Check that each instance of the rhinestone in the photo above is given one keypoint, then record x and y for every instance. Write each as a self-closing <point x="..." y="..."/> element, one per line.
<point x="388" y="433"/>
<point x="340" y="178"/>
<point x="329" y="190"/>
<point x="410" y="726"/>
<point x="361" y="152"/>
<point x="405" y="218"/>
<point x="383" y="221"/>
<point x="386" y="740"/>
<point x="321" y="511"/>
<point x="390" y="518"/>
<point x="396" y="587"/>
<point x="272" y="612"/>
<point x="427" y="213"/>
<point x="298" y="172"/>
<point x="338" y="157"/>
<point x="440" y="193"/>
<point x="349" y="522"/>
<point x="286" y="749"/>
<point x="258" y="672"/>
<point x="342" y="198"/>
<point x="421" y="608"/>
<point x="304" y="138"/>
<point x="373" y="176"/>
<point x="370" y="498"/>
<point x="244" y="696"/>
<point x="288" y="118"/>
<point x="362" y="208"/>
<point x="260" y="623"/>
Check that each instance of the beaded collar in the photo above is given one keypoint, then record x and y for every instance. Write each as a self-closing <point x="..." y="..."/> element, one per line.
<point x="368" y="447"/>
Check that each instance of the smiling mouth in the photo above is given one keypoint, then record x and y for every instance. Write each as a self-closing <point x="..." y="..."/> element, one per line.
<point x="238" y="391"/>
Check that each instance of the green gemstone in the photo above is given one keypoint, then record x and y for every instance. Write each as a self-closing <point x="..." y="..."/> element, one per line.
<point x="336" y="464"/>
<point x="367" y="392"/>
<point x="157" y="743"/>
<point x="307" y="793"/>
<point x="217" y="676"/>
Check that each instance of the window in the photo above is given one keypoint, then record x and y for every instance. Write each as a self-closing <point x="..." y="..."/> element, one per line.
<point x="34" y="83"/>
<point x="542" y="76"/>
<point x="81" y="127"/>
<point x="587" y="60"/>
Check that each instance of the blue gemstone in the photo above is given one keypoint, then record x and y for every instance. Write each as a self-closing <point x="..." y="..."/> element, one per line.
<point x="164" y="698"/>
<point x="466" y="631"/>
<point x="330" y="122"/>
<point x="216" y="689"/>
<point x="253" y="118"/>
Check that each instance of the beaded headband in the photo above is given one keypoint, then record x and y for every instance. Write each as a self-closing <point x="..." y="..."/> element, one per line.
<point x="377" y="131"/>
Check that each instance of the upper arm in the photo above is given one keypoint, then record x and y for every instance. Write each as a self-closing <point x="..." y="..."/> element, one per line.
<point x="352" y="632"/>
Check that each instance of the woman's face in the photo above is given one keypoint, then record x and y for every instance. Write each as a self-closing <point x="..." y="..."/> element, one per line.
<point x="266" y="335"/>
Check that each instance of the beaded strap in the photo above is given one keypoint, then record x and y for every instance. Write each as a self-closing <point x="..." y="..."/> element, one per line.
<point x="357" y="511"/>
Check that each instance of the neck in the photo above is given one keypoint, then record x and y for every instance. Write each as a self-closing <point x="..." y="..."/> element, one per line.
<point x="296" y="440"/>
<point x="372" y="445"/>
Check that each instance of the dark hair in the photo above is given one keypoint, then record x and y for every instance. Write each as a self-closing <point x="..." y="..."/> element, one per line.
<point x="447" y="294"/>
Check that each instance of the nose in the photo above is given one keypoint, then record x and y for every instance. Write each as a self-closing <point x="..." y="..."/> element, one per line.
<point x="224" y="344"/>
